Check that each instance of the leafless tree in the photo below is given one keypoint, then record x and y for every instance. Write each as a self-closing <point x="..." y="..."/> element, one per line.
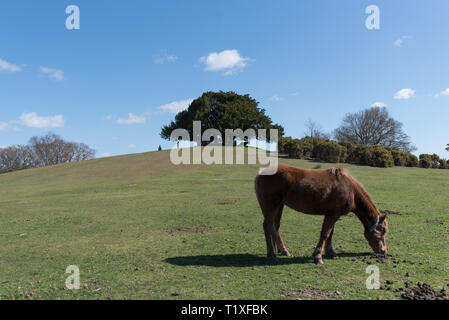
<point x="52" y="149"/>
<point x="16" y="158"/>
<point x="80" y="152"/>
<point x="43" y="151"/>
<point x="373" y="126"/>
<point x="314" y="130"/>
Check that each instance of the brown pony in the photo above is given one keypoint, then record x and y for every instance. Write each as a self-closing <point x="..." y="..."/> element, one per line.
<point x="331" y="193"/>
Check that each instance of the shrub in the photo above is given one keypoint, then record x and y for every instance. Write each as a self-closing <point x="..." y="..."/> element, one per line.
<point x="291" y="147"/>
<point x="400" y="157"/>
<point x="281" y="144"/>
<point x="330" y="151"/>
<point x="350" y="148"/>
<point x="378" y="156"/>
<point x="308" y="145"/>
<point x="425" y="160"/>
<point x="359" y="154"/>
<point x="435" y="161"/>
<point x="412" y="161"/>
<point x="299" y="148"/>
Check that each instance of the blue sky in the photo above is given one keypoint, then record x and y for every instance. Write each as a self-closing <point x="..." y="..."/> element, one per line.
<point x="114" y="82"/>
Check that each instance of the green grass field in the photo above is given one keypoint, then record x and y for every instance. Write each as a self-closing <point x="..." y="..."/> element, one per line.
<point x="140" y="228"/>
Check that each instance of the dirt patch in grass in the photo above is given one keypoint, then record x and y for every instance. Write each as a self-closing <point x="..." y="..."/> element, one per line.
<point x="189" y="230"/>
<point x="382" y="258"/>
<point x="85" y="226"/>
<point x="435" y="221"/>
<point x="309" y="294"/>
<point x="424" y="291"/>
<point x="226" y="202"/>
<point x="130" y="185"/>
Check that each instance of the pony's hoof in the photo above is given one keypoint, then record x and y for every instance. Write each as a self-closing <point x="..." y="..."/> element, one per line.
<point x="285" y="253"/>
<point x="319" y="261"/>
<point x="332" y="256"/>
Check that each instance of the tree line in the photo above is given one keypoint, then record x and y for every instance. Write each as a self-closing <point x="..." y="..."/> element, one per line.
<point x="43" y="151"/>
<point x="369" y="137"/>
<point x="349" y="152"/>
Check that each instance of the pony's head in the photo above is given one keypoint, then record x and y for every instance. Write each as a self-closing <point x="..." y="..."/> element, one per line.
<point x="376" y="234"/>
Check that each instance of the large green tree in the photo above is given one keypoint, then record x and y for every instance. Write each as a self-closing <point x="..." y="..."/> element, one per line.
<point x="221" y="111"/>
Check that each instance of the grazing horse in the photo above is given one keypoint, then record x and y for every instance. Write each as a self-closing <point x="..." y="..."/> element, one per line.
<point x="332" y="193"/>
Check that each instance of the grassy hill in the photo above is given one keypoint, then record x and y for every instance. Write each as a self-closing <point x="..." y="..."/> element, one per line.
<point x="141" y="228"/>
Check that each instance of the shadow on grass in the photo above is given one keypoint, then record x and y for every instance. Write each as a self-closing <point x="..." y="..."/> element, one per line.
<point x="244" y="260"/>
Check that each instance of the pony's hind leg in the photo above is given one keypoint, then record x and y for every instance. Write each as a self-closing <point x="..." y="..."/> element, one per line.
<point x="282" y="250"/>
<point x="269" y="205"/>
<point x="268" y="229"/>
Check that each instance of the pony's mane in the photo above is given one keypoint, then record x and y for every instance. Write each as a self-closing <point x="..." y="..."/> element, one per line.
<point x="359" y="186"/>
<point x="363" y="195"/>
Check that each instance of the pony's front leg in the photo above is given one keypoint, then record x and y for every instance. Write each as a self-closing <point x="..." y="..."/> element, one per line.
<point x="326" y="230"/>
<point x="328" y="249"/>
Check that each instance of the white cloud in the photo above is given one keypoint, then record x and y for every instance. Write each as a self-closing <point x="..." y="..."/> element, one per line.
<point x="399" y="42"/>
<point x="163" y="57"/>
<point x="33" y="120"/>
<point x="379" y="105"/>
<point x="4" y="126"/>
<point x="55" y="74"/>
<point x="228" y="61"/>
<point x="132" y="146"/>
<point x="6" y="66"/>
<point x="406" y="93"/>
<point x="176" y="106"/>
<point x="443" y="93"/>
<point x="132" y="119"/>
<point x="276" y="98"/>
<point x="294" y="94"/>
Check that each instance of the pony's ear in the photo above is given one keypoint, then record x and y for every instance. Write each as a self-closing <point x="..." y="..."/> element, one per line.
<point x="382" y="218"/>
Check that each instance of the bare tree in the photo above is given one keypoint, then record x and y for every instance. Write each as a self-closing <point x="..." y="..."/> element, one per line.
<point x="314" y="130"/>
<point x="52" y="149"/>
<point x="16" y="158"/>
<point x="43" y="151"/>
<point x="80" y="152"/>
<point x="373" y="126"/>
